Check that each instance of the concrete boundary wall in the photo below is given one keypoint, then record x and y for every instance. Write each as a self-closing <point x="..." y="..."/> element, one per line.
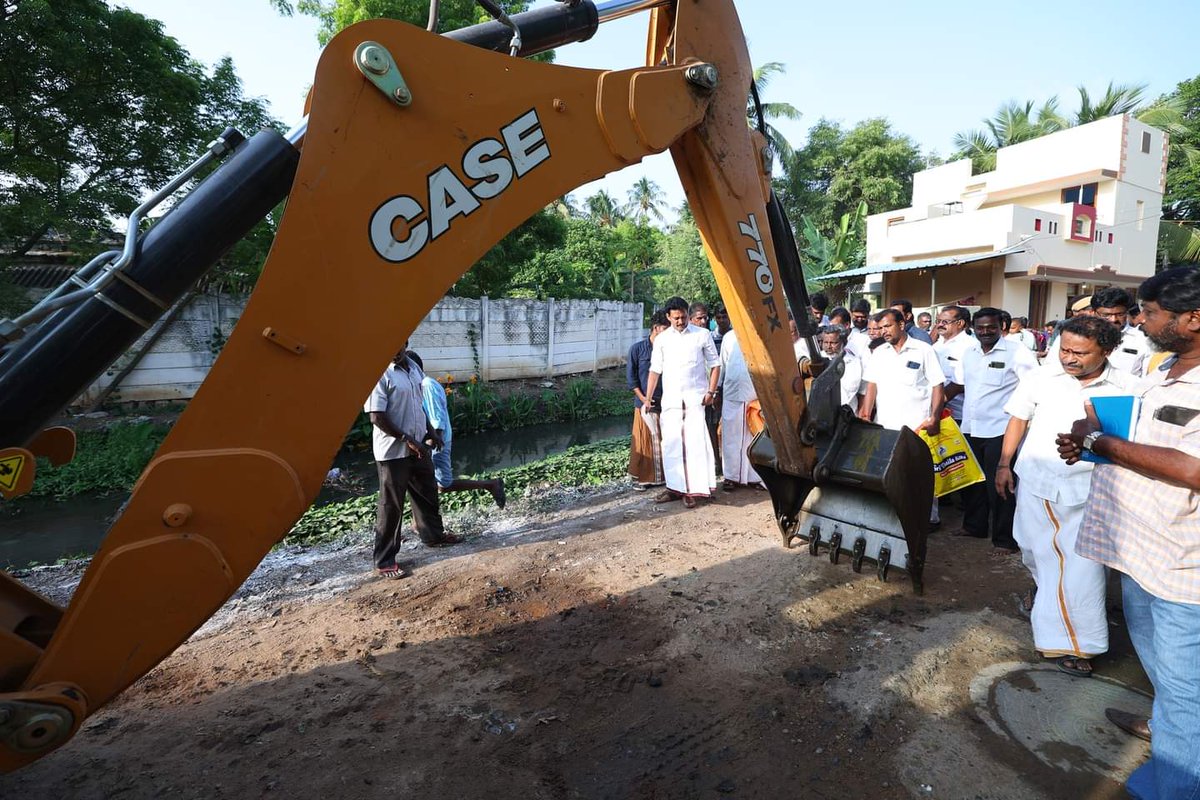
<point x="494" y="339"/>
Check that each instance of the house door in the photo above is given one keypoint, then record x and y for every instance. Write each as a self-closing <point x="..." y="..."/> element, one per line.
<point x="1039" y="294"/>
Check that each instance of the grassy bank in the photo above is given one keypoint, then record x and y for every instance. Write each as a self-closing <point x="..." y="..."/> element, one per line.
<point x="105" y="460"/>
<point x="582" y="465"/>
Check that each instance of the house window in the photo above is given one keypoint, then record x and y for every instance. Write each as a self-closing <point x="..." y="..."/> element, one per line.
<point x="1052" y="227"/>
<point x="1082" y="227"/>
<point x="1084" y="195"/>
<point x="895" y="221"/>
<point x="1110" y="238"/>
<point x="1037" y="223"/>
<point x="1145" y="141"/>
<point x="1141" y="214"/>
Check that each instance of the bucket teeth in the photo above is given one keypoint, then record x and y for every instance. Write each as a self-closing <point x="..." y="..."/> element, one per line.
<point x="859" y="552"/>
<point x="814" y="540"/>
<point x="883" y="561"/>
<point x="835" y="546"/>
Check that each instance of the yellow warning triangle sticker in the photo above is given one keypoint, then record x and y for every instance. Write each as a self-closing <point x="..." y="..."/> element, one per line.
<point x="10" y="471"/>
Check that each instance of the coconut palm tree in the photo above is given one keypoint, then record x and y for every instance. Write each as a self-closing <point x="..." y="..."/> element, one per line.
<point x="1117" y="99"/>
<point x="644" y="199"/>
<point x="1012" y="124"/>
<point x="1180" y="242"/>
<point x="778" y="143"/>
<point x="604" y="210"/>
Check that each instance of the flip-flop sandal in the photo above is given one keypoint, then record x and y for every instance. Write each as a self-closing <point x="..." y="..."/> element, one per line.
<point x="394" y="572"/>
<point x="1073" y="667"/>
<point x="1025" y="606"/>
<point x="728" y="486"/>
<point x="689" y="502"/>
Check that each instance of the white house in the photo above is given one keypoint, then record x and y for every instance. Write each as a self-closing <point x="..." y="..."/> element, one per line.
<point x="1059" y="216"/>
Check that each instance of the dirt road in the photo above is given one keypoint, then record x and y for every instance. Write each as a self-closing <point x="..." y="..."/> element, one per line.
<point x="608" y="648"/>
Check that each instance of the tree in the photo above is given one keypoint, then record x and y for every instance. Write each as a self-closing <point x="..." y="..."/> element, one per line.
<point x="780" y="147"/>
<point x="686" y="271"/>
<point x="825" y="255"/>
<point x="604" y="210"/>
<point x="644" y="199"/>
<point x="97" y="106"/>
<point x="837" y="170"/>
<point x="339" y="14"/>
<point x="1182" y="200"/>
<point x="1012" y="124"/>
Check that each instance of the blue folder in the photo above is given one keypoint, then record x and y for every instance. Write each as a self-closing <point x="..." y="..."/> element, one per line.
<point x="1118" y="415"/>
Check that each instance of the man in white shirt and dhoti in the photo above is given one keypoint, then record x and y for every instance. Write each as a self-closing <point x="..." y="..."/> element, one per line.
<point x="737" y="392"/>
<point x="1068" y="612"/>
<point x="686" y="361"/>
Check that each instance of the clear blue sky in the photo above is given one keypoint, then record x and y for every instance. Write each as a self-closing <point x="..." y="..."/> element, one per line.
<point x="932" y="68"/>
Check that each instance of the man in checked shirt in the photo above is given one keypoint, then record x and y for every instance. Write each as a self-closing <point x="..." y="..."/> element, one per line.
<point x="1143" y="519"/>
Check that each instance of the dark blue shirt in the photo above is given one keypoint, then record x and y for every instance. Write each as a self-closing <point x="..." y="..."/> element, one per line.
<point x="637" y="371"/>
<point x="918" y="334"/>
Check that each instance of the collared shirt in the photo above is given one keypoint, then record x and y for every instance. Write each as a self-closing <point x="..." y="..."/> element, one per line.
<point x="904" y="382"/>
<point x="736" y="385"/>
<point x="859" y="343"/>
<point x="1131" y="354"/>
<point x="637" y="370"/>
<point x="991" y="378"/>
<point x="397" y="395"/>
<point x="1024" y="337"/>
<point x="1146" y="528"/>
<point x="433" y="402"/>
<point x="916" y="333"/>
<point x="852" y="383"/>
<point x="683" y="359"/>
<point x="800" y="348"/>
<point x="1051" y="402"/>
<point x="950" y="353"/>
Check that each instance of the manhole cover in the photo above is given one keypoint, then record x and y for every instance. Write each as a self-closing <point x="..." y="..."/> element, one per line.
<point x="1060" y="719"/>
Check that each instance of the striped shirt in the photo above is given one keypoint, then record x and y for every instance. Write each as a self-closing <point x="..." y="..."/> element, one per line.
<point x="1146" y="528"/>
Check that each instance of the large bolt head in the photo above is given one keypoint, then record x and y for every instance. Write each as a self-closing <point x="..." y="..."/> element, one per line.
<point x="374" y="59"/>
<point x="41" y="731"/>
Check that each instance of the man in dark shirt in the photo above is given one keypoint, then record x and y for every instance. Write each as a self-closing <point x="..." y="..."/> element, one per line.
<point x="645" y="451"/>
<point x="910" y="327"/>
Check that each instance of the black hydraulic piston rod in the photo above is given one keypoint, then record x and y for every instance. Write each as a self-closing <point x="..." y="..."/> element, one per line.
<point x="46" y="370"/>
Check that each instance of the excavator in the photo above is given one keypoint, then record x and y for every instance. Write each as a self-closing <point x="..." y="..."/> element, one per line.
<point x="417" y="153"/>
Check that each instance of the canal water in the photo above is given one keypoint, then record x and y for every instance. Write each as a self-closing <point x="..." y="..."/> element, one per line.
<point x="43" y="531"/>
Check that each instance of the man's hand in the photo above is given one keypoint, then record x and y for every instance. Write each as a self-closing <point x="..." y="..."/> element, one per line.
<point x="1005" y="485"/>
<point x="709" y="397"/>
<point x="932" y="426"/>
<point x="1070" y="445"/>
<point x="438" y="438"/>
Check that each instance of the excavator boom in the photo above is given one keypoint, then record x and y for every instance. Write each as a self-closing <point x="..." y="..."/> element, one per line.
<point x="419" y="153"/>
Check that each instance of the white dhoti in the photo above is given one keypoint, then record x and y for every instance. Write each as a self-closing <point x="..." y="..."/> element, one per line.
<point x="1069" y="611"/>
<point x="688" y="462"/>
<point x="735" y="439"/>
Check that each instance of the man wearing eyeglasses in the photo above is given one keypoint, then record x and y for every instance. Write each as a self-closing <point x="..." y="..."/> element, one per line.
<point x="951" y="347"/>
<point x="1113" y="304"/>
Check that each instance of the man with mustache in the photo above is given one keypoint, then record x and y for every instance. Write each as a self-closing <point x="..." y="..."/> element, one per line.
<point x="1068" y="614"/>
<point x="1142" y="518"/>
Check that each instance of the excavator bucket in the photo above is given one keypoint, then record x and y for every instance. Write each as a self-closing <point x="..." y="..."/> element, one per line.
<point x="869" y="495"/>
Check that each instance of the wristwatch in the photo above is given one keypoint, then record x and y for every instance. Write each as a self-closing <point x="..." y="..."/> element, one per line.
<point x="1089" y="441"/>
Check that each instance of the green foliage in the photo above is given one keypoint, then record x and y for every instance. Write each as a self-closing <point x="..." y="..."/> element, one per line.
<point x="105" y="460"/>
<point x="838" y="169"/>
<point x="97" y="106"/>
<point x="685" y="268"/>
<point x="339" y="14"/>
<point x="645" y="199"/>
<point x="472" y="407"/>
<point x="517" y="411"/>
<point x="846" y="249"/>
<point x="1182" y="200"/>
<point x="582" y="465"/>
<point x="515" y="260"/>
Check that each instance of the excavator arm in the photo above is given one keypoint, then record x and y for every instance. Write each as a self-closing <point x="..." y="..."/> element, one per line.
<point x="419" y="154"/>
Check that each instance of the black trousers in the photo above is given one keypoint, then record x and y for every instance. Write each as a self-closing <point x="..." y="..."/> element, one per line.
<point x="981" y="504"/>
<point x="396" y="477"/>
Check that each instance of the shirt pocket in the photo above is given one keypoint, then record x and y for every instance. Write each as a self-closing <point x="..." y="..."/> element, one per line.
<point x="993" y="375"/>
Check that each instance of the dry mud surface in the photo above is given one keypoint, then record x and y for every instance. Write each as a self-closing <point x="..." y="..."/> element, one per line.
<point x="604" y="648"/>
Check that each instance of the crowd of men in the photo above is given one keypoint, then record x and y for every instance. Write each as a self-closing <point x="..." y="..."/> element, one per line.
<point x="1022" y="398"/>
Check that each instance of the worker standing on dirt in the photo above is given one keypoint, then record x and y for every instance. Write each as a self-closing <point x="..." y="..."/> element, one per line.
<point x="904" y="384"/>
<point x="401" y="430"/>
<point x="433" y="401"/>
<point x="737" y="392"/>
<point x="1141" y="519"/>
<point x="645" y="445"/>
<point x="991" y="372"/>
<point x="951" y="348"/>
<point x="698" y="315"/>
<point x="1068" y="612"/>
<point x="833" y="341"/>
<point x="685" y="360"/>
